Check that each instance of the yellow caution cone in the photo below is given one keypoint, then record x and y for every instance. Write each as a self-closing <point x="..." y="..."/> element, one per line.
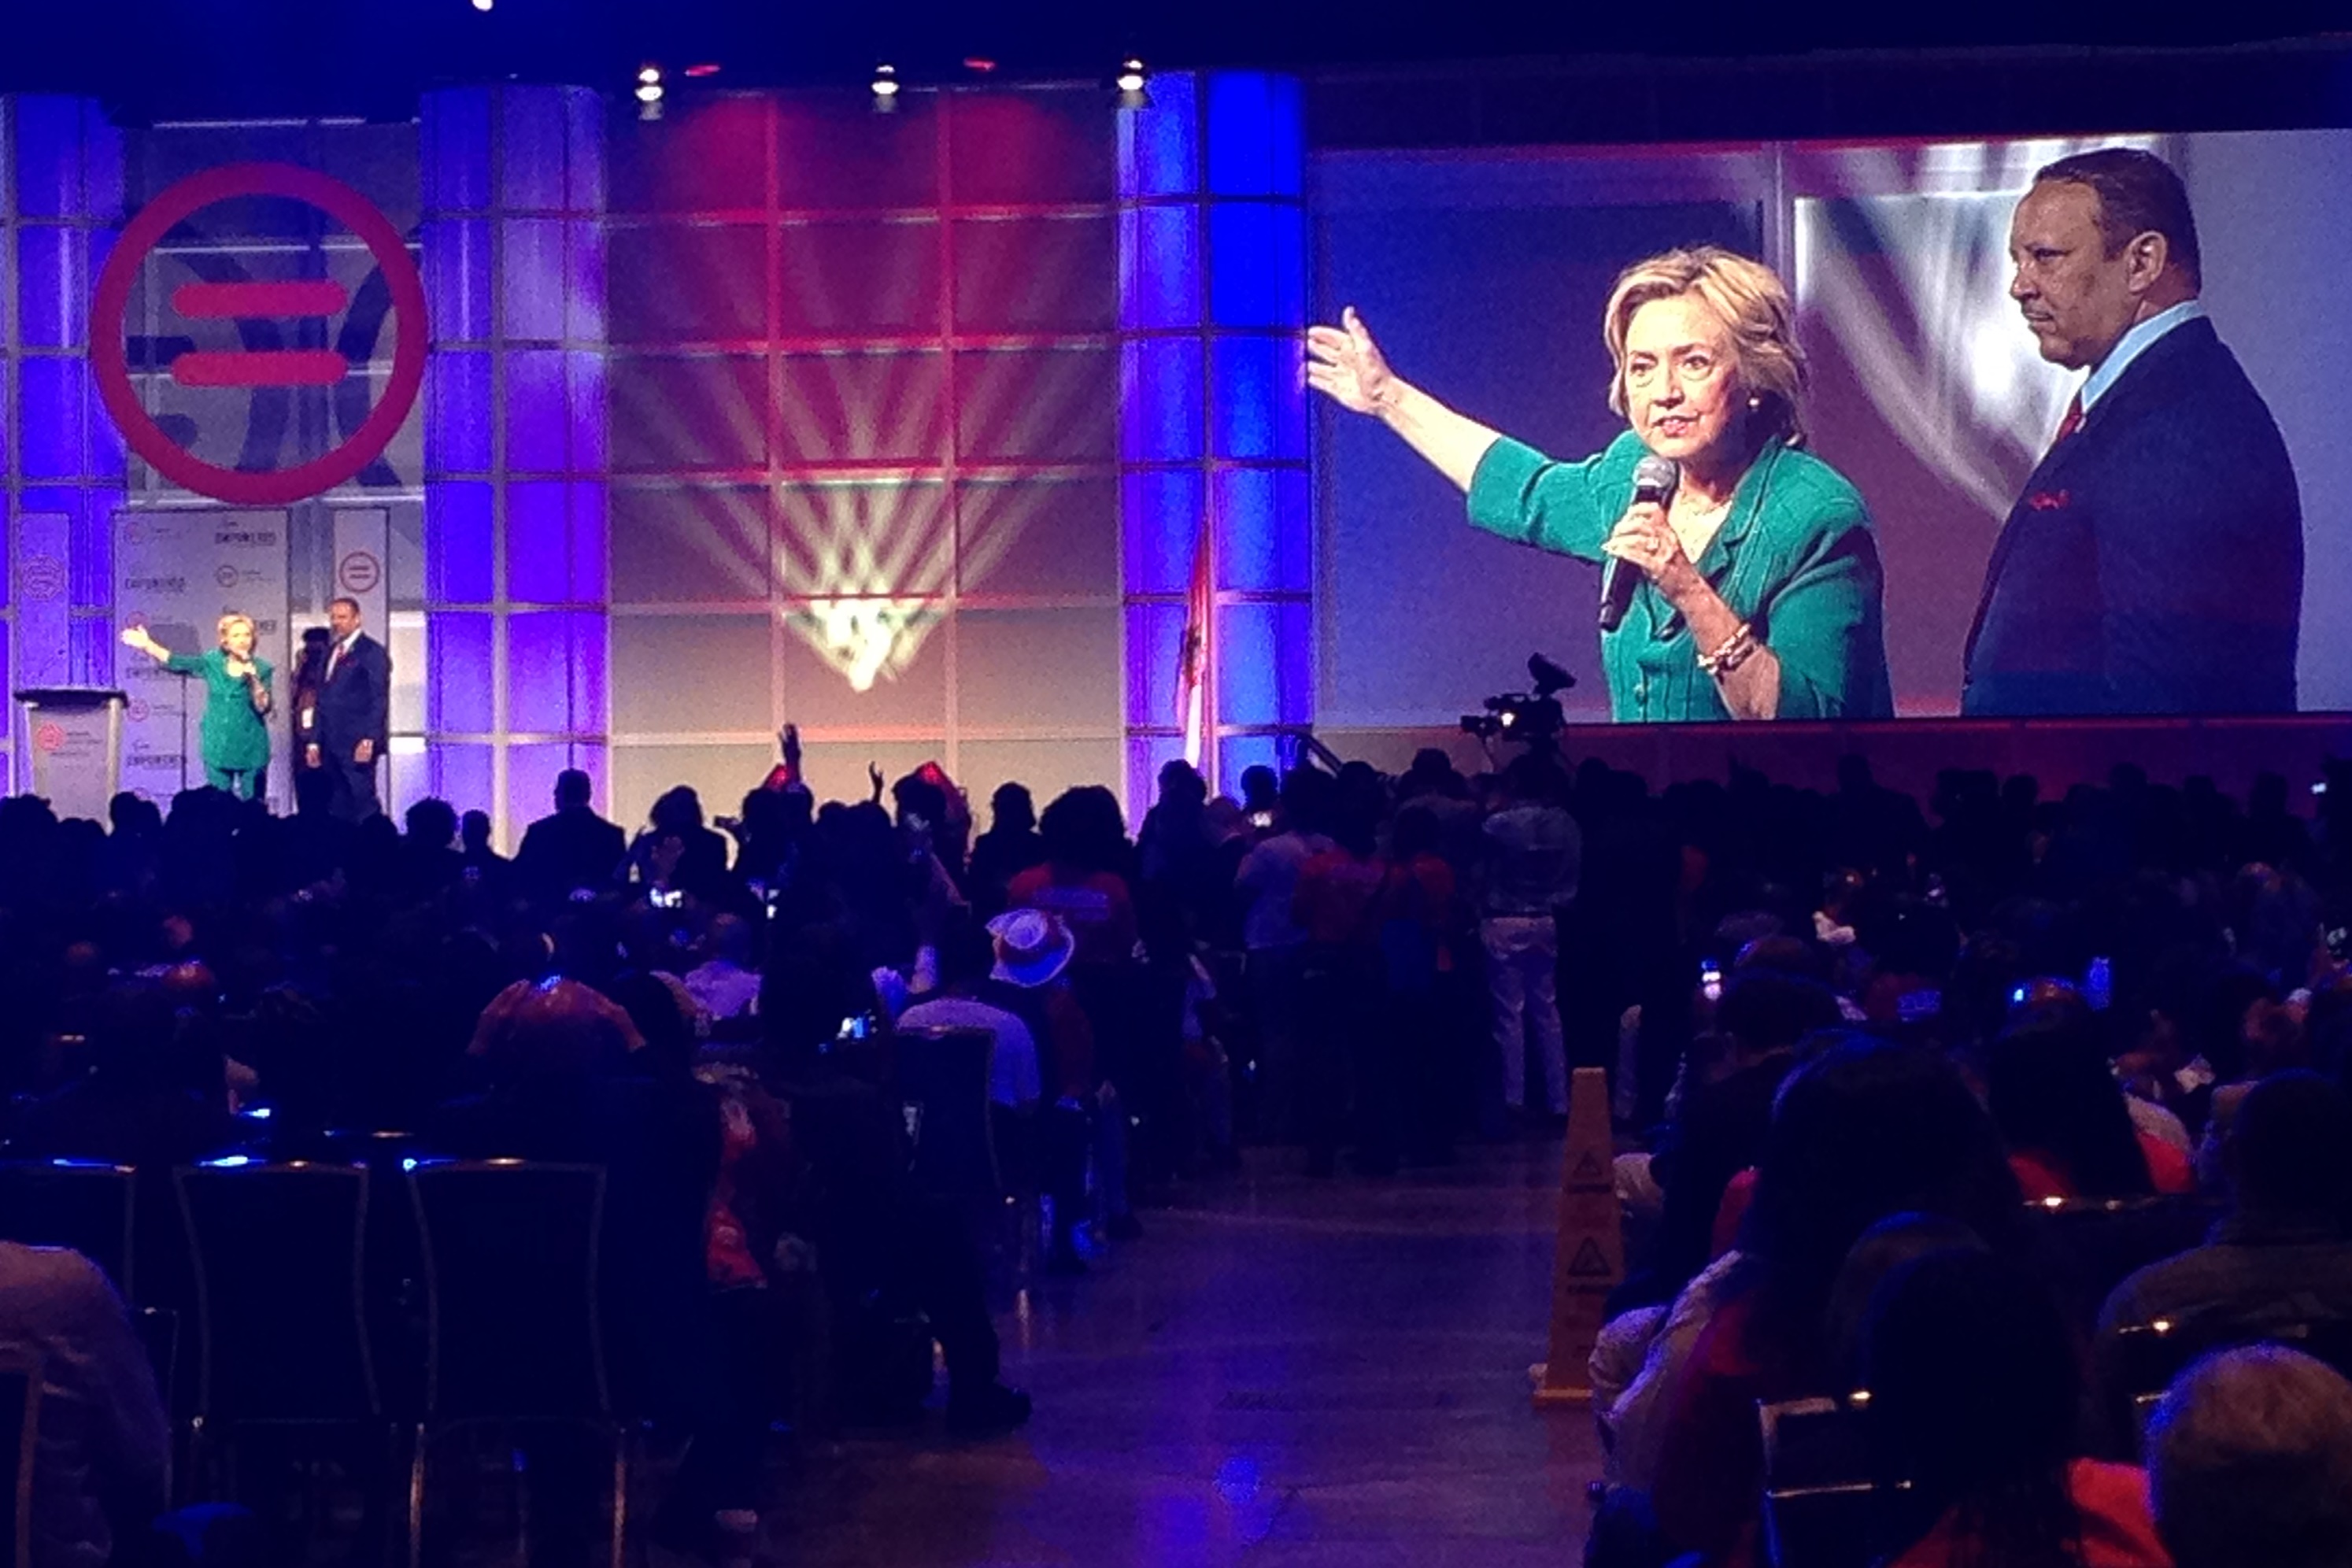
<point x="1589" y="1261"/>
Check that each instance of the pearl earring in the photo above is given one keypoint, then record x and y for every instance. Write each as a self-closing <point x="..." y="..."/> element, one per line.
<point x="1755" y="403"/>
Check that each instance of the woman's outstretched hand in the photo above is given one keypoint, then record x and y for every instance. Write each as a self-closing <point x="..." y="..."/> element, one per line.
<point x="1347" y="366"/>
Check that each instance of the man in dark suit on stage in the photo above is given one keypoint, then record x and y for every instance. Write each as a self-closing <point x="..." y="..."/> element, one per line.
<point x="354" y="708"/>
<point x="2155" y="563"/>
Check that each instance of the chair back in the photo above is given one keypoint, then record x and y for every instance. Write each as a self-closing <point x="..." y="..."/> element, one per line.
<point x="2142" y="1360"/>
<point x="2105" y="1240"/>
<point x="280" y="1256"/>
<point x="942" y="1088"/>
<point x="86" y="1205"/>
<point x="158" y="1328"/>
<point x="20" y="1433"/>
<point x="1819" y="1495"/>
<point x="513" y="1329"/>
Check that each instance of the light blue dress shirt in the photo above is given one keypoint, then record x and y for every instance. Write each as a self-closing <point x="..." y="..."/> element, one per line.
<point x="2134" y="343"/>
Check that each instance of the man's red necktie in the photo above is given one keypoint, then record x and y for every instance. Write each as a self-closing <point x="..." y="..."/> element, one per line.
<point x="2068" y="425"/>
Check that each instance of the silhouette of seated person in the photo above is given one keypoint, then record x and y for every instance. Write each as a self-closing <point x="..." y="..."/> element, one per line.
<point x="2281" y="1257"/>
<point x="572" y="847"/>
<point x="1975" y="1390"/>
<point x="152" y="1099"/>
<point x="2250" y="1457"/>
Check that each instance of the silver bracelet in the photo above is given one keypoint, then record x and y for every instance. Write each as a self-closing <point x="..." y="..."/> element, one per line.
<point x="1735" y="652"/>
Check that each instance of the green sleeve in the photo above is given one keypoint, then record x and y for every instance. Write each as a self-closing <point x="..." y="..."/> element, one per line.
<point x="185" y="664"/>
<point x="264" y="669"/>
<point x="1825" y="626"/>
<point x="1568" y="508"/>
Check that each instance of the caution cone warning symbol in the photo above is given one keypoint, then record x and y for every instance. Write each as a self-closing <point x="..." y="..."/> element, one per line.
<point x="1588" y="1262"/>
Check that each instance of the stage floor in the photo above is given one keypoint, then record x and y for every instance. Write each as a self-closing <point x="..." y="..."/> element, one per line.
<point x="1281" y="1371"/>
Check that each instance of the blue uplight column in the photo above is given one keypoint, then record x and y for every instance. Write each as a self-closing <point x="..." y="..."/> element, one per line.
<point x="61" y="463"/>
<point x="1212" y="450"/>
<point x="515" y="456"/>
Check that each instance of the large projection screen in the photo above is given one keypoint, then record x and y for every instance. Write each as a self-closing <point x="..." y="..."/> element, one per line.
<point x="1484" y="275"/>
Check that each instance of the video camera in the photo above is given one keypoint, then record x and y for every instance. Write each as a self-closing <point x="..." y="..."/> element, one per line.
<point x="1533" y="717"/>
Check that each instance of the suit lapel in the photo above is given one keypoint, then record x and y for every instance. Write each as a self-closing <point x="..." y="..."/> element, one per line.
<point x="2053" y="462"/>
<point x="2113" y="406"/>
<point x="338" y="666"/>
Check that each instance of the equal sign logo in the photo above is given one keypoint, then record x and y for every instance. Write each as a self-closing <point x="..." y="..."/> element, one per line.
<point x="299" y="298"/>
<point x="295" y="298"/>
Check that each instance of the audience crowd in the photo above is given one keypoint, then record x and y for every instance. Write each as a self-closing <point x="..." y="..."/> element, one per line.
<point x="1916" y="1101"/>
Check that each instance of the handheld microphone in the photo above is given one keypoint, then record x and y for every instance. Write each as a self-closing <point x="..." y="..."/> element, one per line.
<point x="1654" y="478"/>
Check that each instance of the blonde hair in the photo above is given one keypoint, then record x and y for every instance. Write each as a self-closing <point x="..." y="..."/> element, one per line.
<point x="1753" y="305"/>
<point x="233" y="618"/>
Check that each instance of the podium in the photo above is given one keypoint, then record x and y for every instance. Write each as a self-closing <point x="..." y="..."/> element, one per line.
<point x="73" y="737"/>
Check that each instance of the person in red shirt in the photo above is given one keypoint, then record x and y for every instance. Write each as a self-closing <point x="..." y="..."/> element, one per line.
<point x="1085" y="838"/>
<point x="1339" y="905"/>
<point x="1863" y="1131"/>
<point x="1078" y="882"/>
<point x="2062" y="1115"/>
<point x="1419" y="920"/>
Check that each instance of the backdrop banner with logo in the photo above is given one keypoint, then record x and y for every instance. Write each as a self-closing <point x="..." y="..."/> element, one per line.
<point x="176" y="572"/>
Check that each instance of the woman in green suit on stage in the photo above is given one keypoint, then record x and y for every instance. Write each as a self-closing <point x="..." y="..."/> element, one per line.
<point x="234" y="740"/>
<point x="1757" y="587"/>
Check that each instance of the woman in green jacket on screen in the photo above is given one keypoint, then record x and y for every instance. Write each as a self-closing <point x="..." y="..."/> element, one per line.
<point x="1759" y="579"/>
<point x="234" y="740"/>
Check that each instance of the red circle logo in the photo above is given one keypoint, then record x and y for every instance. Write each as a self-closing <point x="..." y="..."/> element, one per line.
<point x="359" y="573"/>
<point x="136" y="711"/>
<point x="108" y="320"/>
<point x="49" y="737"/>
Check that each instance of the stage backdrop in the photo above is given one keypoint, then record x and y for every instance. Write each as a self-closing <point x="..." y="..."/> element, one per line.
<point x="1484" y="275"/>
<point x="909" y="428"/>
<point x="865" y="427"/>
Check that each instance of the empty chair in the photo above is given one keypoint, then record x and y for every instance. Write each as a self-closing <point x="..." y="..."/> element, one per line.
<point x="86" y="1205"/>
<point x="513" y="1330"/>
<point x="2105" y="1240"/>
<point x="281" y="1319"/>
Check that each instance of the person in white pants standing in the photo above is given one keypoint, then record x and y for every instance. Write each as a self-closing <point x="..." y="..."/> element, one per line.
<point x="1533" y="853"/>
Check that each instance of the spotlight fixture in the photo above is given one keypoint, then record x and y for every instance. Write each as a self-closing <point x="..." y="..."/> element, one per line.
<point x="484" y="5"/>
<point x="1132" y="82"/>
<point x="649" y="92"/>
<point x="885" y="88"/>
<point x="706" y="68"/>
<point x="649" y="76"/>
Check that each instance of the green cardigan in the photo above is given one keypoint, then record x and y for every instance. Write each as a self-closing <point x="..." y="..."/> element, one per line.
<point x="232" y="738"/>
<point x="1795" y="558"/>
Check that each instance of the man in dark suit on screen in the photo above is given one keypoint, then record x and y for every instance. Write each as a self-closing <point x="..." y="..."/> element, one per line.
<point x="354" y="708"/>
<point x="2155" y="563"/>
